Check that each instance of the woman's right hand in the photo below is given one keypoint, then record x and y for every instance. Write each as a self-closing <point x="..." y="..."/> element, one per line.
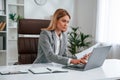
<point x="75" y="61"/>
<point x="78" y="61"/>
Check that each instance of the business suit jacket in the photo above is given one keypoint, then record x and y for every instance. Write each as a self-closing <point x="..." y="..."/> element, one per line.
<point x="47" y="46"/>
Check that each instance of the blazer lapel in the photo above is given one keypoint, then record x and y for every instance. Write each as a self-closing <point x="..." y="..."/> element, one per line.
<point x="54" y="40"/>
<point x="61" y="45"/>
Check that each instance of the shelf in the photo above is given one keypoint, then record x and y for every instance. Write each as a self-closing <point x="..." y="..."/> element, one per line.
<point x="10" y="4"/>
<point x="13" y="6"/>
<point x="4" y="15"/>
<point x="12" y="39"/>
<point x="2" y="51"/>
<point x="3" y="34"/>
<point x="2" y="31"/>
<point x="12" y="27"/>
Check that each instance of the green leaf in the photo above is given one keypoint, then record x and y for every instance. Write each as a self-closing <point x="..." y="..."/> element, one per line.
<point x="77" y="40"/>
<point x="15" y="17"/>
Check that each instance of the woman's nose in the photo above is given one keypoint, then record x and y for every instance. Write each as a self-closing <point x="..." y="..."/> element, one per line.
<point x="66" y="24"/>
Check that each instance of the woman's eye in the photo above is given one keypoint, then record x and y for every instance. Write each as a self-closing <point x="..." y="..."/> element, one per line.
<point x="65" y="21"/>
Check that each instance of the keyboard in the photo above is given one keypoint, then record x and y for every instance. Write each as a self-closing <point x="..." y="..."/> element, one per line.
<point x="77" y="66"/>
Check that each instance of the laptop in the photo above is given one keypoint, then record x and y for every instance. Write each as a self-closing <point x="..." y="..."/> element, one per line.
<point x="96" y="59"/>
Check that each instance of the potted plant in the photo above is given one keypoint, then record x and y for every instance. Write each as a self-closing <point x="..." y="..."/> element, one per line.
<point x="14" y="18"/>
<point x="77" y="41"/>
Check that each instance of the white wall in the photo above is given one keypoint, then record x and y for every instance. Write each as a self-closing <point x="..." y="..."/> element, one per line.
<point x="44" y="12"/>
<point x="86" y="16"/>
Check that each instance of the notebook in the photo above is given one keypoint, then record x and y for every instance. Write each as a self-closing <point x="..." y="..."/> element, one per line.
<point x="47" y="70"/>
<point x="96" y="59"/>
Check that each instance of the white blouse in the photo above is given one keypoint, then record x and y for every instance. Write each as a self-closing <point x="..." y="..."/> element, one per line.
<point x="58" y="39"/>
<point x="58" y="42"/>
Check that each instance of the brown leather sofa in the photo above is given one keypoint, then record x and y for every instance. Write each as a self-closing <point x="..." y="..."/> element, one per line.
<point x="27" y="45"/>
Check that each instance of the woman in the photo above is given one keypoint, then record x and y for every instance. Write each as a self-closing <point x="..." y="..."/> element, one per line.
<point x="53" y="41"/>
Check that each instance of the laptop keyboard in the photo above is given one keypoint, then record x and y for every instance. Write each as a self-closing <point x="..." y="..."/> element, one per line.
<point x="75" y="66"/>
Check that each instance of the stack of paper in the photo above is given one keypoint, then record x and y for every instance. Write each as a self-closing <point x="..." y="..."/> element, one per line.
<point x="7" y="72"/>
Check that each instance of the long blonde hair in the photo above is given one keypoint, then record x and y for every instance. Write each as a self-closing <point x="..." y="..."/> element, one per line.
<point x="57" y="15"/>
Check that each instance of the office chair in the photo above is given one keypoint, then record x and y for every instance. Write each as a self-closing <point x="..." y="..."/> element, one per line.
<point x="28" y="35"/>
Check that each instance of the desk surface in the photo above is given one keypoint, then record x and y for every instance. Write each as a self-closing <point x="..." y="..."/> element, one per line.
<point x="109" y="71"/>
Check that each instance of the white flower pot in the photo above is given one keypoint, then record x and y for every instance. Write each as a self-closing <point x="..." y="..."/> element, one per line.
<point x="13" y="24"/>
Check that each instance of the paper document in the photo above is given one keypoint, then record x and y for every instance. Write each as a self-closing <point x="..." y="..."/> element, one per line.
<point x="13" y="72"/>
<point x="44" y="70"/>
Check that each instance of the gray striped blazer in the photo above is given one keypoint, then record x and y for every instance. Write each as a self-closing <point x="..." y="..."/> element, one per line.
<point x="47" y="46"/>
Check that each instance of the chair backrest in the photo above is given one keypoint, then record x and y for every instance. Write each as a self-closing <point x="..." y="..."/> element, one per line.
<point x="28" y="35"/>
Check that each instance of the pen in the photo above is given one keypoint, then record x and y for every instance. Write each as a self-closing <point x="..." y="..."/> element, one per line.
<point x="56" y="71"/>
<point x="49" y="69"/>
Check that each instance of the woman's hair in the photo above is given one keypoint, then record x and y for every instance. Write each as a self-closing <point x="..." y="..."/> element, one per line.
<point x="59" y="13"/>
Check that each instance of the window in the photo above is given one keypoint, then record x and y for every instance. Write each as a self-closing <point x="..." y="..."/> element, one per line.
<point x="108" y="24"/>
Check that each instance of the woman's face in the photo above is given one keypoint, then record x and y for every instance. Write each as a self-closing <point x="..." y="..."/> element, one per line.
<point x="62" y="23"/>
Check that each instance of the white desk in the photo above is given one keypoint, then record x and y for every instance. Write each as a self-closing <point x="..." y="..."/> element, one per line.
<point x="109" y="71"/>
